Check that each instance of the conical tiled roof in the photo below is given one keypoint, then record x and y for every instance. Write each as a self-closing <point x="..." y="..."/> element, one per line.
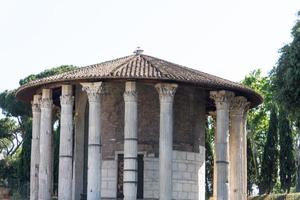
<point x="141" y="67"/>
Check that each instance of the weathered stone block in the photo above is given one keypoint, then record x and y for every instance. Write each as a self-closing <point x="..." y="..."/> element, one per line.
<point x="191" y="156"/>
<point x="177" y="187"/>
<point x="182" y="167"/>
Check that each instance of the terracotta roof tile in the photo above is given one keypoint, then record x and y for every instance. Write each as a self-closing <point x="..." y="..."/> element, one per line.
<point x="142" y="67"/>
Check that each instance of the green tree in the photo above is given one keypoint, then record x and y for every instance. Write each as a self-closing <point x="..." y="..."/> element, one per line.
<point x="269" y="166"/>
<point x="286" y="81"/>
<point x="286" y="75"/>
<point x="257" y="126"/>
<point x="287" y="166"/>
<point x="46" y="73"/>
<point x="18" y="113"/>
<point x="251" y="167"/>
<point x="8" y="134"/>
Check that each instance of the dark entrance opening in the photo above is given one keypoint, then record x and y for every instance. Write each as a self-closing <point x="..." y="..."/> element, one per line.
<point x="140" y="185"/>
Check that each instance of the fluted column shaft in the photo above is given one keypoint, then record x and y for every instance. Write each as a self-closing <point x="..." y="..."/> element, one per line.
<point x="66" y="144"/>
<point x="166" y="96"/>
<point x="236" y="140"/>
<point x="46" y="147"/>
<point x="222" y="101"/>
<point x="130" y="142"/>
<point x="94" y="141"/>
<point x="35" y="147"/>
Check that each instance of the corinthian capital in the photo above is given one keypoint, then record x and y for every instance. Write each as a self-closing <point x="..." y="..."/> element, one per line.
<point x="130" y="93"/>
<point x="93" y="90"/>
<point x="66" y="99"/>
<point x="46" y="101"/>
<point x="222" y="98"/>
<point x="166" y="91"/>
<point x="239" y="105"/>
<point x="36" y="103"/>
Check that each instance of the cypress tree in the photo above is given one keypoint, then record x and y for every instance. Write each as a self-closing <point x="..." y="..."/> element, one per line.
<point x="269" y="167"/>
<point x="251" y="167"/>
<point x="287" y="167"/>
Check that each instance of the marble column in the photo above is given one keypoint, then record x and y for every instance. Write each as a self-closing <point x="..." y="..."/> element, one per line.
<point x="222" y="101"/>
<point x="66" y="144"/>
<point x="93" y="91"/>
<point x="35" y="147"/>
<point x="166" y="96"/>
<point x="130" y="142"/>
<point x="236" y="141"/>
<point x="46" y="147"/>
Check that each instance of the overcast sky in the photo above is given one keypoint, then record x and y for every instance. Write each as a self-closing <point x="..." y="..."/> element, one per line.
<point x="225" y="38"/>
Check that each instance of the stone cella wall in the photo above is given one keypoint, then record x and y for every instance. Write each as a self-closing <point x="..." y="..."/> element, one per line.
<point x="189" y="119"/>
<point x="188" y="176"/>
<point x="189" y="131"/>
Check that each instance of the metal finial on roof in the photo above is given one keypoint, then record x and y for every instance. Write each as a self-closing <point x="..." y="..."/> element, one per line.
<point x="138" y="51"/>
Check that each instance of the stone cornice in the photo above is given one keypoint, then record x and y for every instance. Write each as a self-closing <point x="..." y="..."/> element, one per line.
<point x="166" y="91"/>
<point x="222" y="98"/>
<point x="93" y="90"/>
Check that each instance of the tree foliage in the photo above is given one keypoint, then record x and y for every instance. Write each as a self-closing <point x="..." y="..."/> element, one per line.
<point x="285" y="84"/>
<point x="17" y="114"/>
<point x="286" y="155"/>
<point x="252" y="172"/>
<point x="257" y="125"/>
<point x="286" y="75"/>
<point x="46" y="73"/>
<point x="9" y="137"/>
<point x="269" y="165"/>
